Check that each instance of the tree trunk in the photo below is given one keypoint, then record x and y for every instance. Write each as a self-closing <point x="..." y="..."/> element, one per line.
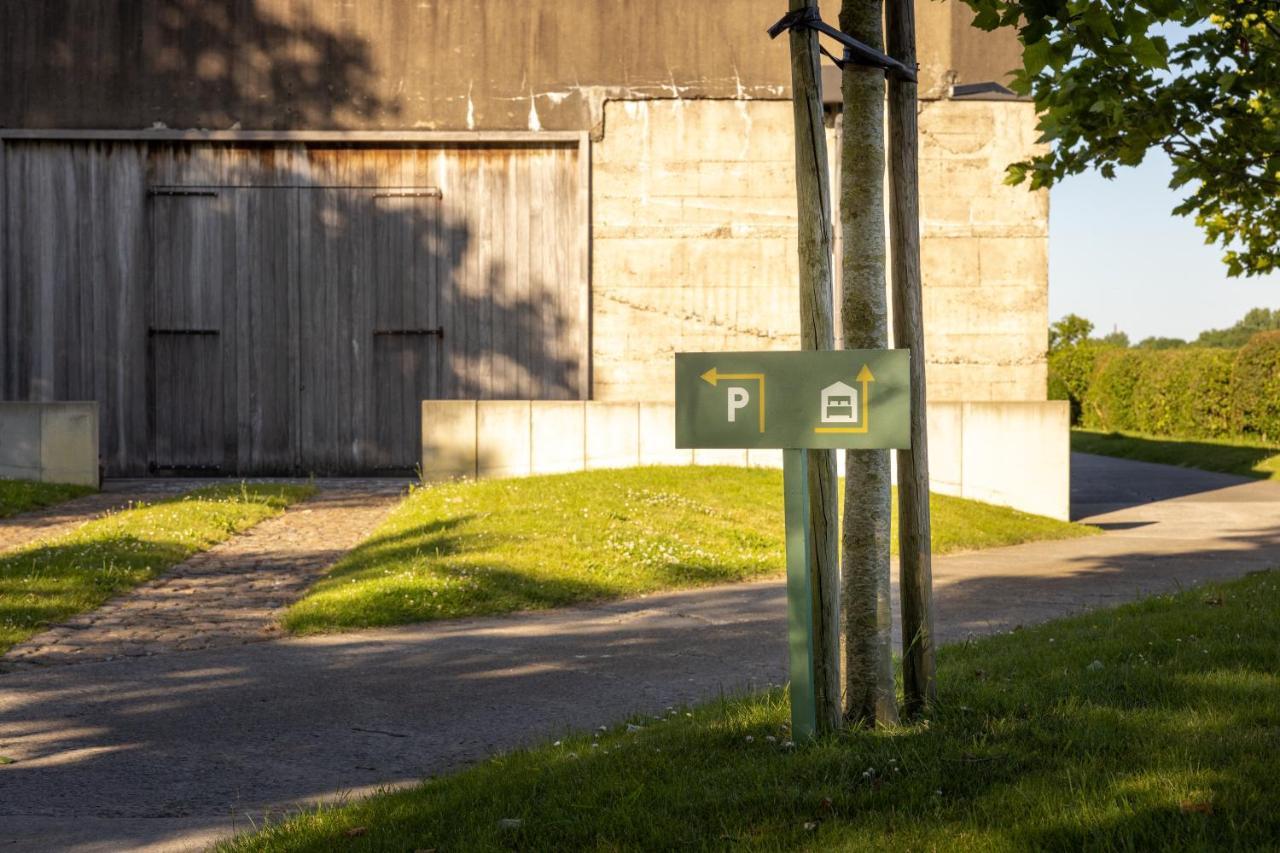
<point x="915" y="572"/>
<point x="869" y="690"/>
<point x="813" y="193"/>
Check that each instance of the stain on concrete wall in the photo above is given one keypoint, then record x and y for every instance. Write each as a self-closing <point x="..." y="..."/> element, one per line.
<point x="401" y="64"/>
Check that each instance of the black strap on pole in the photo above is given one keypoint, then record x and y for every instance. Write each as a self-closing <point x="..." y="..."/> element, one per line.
<point x="855" y="52"/>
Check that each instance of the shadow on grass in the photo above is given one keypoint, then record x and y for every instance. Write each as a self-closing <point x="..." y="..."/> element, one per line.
<point x="47" y="582"/>
<point x="1163" y="747"/>
<point x="1245" y="460"/>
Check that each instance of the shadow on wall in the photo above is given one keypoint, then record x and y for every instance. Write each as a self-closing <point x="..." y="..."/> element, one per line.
<point x="199" y="60"/>
<point x="274" y="308"/>
<point x="345" y="286"/>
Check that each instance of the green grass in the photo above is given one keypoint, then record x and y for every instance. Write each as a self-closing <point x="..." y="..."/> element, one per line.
<point x="465" y="549"/>
<point x="1154" y="726"/>
<point x="25" y="495"/>
<point x="1248" y="459"/>
<point x="51" y="580"/>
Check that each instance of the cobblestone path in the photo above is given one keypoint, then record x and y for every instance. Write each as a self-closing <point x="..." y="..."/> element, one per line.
<point x="228" y="595"/>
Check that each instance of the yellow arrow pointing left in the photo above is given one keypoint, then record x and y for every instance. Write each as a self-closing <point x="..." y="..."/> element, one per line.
<point x="712" y="377"/>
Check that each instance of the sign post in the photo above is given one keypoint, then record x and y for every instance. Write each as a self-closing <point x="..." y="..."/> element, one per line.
<point x="851" y="399"/>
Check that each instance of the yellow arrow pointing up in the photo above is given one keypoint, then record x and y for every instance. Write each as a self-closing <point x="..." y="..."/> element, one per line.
<point x="712" y="376"/>
<point x="865" y="378"/>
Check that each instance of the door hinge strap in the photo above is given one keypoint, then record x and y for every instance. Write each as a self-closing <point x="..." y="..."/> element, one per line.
<point x="438" y="331"/>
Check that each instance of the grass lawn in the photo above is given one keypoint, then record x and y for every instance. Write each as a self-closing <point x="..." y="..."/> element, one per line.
<point x="52" y="580"/>
<point x="494" y="546"/>
<point x="25" y="495"/>
<point x="1154" y="726"/>
<point x="1248" y="459"/>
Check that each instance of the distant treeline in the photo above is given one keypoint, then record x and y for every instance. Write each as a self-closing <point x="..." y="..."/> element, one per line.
<point x="1195" y="390"/>
<point x="1257" y="320"/>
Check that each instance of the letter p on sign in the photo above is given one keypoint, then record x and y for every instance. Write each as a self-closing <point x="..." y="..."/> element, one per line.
<point x="738" y="399"/>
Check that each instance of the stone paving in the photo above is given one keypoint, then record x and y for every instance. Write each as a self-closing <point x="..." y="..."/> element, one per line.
<point x="228" y="595"/>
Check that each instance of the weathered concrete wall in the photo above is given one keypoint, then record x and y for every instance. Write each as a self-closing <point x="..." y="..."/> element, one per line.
<point x="984" y="253"/>
<point x="406" y="64"/>
<point x="693" y="215"/>
<point x="1011" y="454"/>
<point x="49" y="442"/>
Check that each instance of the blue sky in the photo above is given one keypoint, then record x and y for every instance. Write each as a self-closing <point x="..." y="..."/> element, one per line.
<point x="1120" y="258"/>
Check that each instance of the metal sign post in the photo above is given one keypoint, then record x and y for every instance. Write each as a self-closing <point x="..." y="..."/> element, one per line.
<point x="852" y="399"/>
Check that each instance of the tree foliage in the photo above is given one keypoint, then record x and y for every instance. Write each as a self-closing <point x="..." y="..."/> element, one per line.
<point x="1158" y="342"/>
<point x="1198" y="79"/>
<point x="1068" y="332"/>
<point x="1257" y="320"/>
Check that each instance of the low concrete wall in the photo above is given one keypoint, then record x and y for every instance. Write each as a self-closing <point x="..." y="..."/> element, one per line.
<point x="49" y="442"/>
<point x="1015" y="454"/>
<point x="1010" y="453"/>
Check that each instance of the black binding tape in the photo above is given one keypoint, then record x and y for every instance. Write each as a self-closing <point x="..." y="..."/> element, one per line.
<point x="855" y="52"/>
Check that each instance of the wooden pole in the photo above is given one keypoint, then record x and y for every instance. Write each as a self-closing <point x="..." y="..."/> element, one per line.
<point x="813" y="196"/>
<point x="915" y="572"/>
<point x="868" y="619"/>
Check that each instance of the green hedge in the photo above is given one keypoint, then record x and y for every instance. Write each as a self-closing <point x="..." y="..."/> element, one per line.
<point x="1184" y="393"/>
<point x="1255" y="384"/>
<point x="1070" y="370"/>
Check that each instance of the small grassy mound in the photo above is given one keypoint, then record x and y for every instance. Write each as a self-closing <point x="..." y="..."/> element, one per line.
<point x="25" y="495"/>
<point x="1248" y="459"/>
<point x="494" y="546"/>
<point x="1154" y="726"/>
<point x="49" y="581"/>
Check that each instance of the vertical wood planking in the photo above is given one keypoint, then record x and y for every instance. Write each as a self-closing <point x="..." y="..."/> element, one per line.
<point x="294" y="280"/>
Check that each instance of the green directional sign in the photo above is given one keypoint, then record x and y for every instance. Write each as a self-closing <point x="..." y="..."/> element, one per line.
<point x="830" y="399"/>
<point x="854" y="399"/>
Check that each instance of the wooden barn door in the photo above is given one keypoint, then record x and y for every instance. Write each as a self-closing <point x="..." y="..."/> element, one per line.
<point x="369" y="337"/>
<point x="406" y="335"/>
<point x="186" y="411"/>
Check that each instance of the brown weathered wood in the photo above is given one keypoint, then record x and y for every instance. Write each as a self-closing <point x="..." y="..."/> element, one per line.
<point x="813" y="195"/>
<point x="915" y="573"/>
<point x="865" y="602"/>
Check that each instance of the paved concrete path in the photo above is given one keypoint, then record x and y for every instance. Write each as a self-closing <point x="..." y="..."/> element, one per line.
<point x="172" y="751"/>
<point x="229" y="595"/>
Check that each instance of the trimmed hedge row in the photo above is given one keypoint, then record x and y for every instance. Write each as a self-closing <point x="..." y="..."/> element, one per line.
<point x="1183" y="393"/>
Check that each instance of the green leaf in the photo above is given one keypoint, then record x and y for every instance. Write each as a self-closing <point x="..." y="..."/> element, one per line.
<point x="1147" y="52"/>
<point x="1037" y="56"/>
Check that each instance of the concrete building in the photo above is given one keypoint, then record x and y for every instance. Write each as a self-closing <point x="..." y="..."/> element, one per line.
<point x="257" y="233"/>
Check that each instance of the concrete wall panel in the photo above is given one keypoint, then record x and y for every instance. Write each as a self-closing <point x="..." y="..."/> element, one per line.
<point x="448" y="439"/>
<point x="658" y="436"/>
<point x="557" y="432"/>
<point x="503" y="442"/>
<point x="613" y="435"/>
<point x="50" y="442"/>
<point x="1019" y="455"/>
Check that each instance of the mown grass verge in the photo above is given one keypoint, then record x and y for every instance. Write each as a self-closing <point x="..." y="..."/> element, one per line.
<point x="1154" y="726"/>
<point x="466" y="549"/>
<point x="26" y="495"/>
<point x="1248" y="459"/>
<point x="51" y="580"/>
